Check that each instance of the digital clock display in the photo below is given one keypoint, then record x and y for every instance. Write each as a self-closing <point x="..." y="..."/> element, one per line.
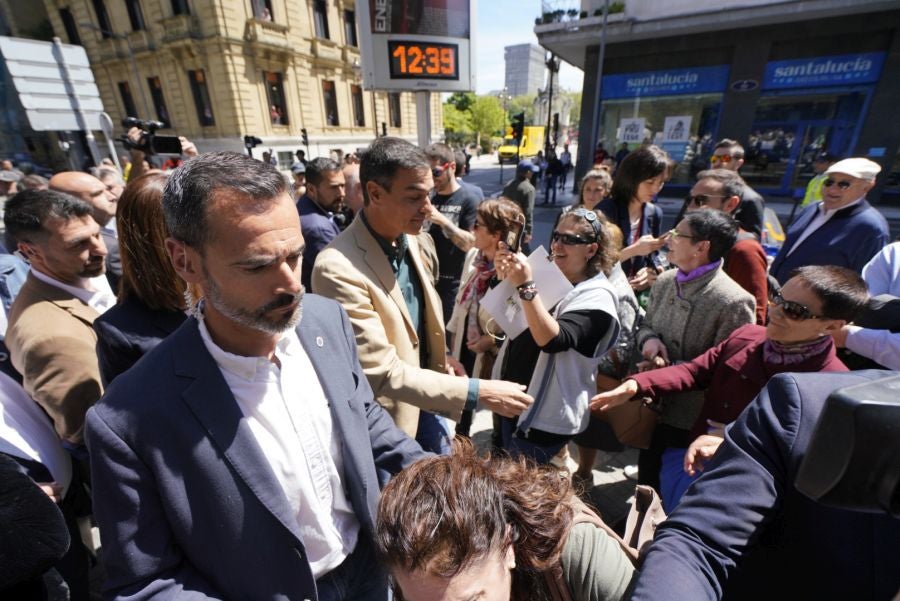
<point x="423" y="60"/>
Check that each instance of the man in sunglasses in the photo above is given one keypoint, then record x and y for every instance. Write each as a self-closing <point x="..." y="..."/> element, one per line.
<point x="729" y="154"/>
<point x="453" y="215"/>
<point x="843" y="229"/>
<point x="746" y="262"/>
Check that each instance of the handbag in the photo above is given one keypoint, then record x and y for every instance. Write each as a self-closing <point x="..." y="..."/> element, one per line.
<point x="633" y="423"/>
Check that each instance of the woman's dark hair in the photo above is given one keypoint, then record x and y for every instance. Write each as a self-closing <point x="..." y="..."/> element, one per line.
<point x="607" y="253"/>
<point x="842" y="291"/>
<point x="147" y="271"/>
<point x="640" y="165"/>
<point x="716" y="227"/>
<point x="499" y="214"/>
<point x="599" y="173"/>
<point x="445" y="513"/>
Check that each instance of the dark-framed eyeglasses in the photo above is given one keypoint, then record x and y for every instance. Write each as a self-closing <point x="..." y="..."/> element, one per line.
<point x="831" y="182"/>
<point x="791" y="310"/>
<point x="569" y="239"/>
<point x="701" y="200"/>
<point x="675" y="234"/>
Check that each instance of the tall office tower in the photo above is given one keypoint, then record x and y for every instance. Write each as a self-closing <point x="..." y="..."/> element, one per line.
<point x="524" y="69"/>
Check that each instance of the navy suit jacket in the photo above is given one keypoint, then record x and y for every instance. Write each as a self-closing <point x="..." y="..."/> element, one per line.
<point x="319" y="229"/>
<point x="127" y="332"/>
<point x="849" y="239"/>
<point x="187" y="504"/>
<point x="742" y="531"/>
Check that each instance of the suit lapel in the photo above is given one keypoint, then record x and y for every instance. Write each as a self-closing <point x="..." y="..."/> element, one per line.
<point x="62" y="299"/>
<point x="215" y="407"/>
<point x="381" y="268"/>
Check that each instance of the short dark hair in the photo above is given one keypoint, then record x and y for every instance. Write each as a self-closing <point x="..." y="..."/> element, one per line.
<point x="842" y="291"/>
<point x="733" y="147"/>
<point x="317" y="168"/>
<point x="640" y="165"/>
<point x="384" y="157"/>
<point x="718" y="228"/>
<point x="732" y="183"/>
<point x="28" y="211"/>
<point x="440" y="152"/>
<point x="499" y="214"/>
<point x="191" y="188"/>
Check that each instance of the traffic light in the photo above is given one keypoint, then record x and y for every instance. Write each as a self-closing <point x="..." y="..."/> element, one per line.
<point x="518" y="125"/>
<point x="303" y="137"/>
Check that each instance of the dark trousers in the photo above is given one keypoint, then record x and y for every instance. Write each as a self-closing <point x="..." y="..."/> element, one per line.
<point x="650" y="460"/>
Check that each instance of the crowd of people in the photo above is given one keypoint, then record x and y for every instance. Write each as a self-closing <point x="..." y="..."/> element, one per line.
<point x="246" y="382"/>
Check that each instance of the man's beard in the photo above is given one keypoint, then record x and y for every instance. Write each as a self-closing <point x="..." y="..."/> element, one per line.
<point x="256" y="319"/>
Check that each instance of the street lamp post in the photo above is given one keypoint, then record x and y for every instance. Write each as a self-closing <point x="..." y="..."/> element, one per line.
<point x="137" y="73"/>
<point x="553" y="67"/>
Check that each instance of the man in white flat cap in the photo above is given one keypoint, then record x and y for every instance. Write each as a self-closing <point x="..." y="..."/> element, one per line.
<point x="842" y="229"/>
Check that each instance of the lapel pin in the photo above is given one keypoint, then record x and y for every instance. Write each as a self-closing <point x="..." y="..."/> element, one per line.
<point x="320" y="342"/>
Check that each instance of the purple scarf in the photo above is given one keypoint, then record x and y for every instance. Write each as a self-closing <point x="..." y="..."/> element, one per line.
<point x="682" y="278"/>
<point x="776" y="353"/>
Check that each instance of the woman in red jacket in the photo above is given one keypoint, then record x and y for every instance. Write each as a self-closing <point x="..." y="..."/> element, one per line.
<point x="816" y="301"/>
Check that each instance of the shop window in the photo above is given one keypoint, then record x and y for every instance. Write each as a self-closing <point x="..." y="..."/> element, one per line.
<point x="102" y="19"/>
<point x="201" y="97"/>
<point x="69" y="24"/>
<point x="394" y="109"/>
<point x="350" y="28"/>
<point x="285" y="159"/>
<point x="180" y="7"/>
<point x="275" y="93"/>
<point x="159" y="101"/>
<point x="127" y="99"/>
<point x="684" y="126"/>
<point x="135" y="16"/>
<point x="320" y="19"/>
<point x="359" y="113"/>
<point x="330" y="100"/>
<point x="262" y="10"/>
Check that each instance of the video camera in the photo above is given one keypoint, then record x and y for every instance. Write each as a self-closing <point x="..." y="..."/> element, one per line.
<point x="150" y="143"/>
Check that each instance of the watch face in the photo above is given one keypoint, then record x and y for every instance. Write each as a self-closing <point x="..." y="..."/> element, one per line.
<point x="527" y="294"/>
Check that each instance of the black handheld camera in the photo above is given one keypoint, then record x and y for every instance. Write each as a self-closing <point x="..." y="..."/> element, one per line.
<point x="150" y="143"/>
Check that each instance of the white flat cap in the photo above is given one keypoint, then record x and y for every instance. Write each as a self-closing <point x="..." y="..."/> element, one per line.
<point x="856" y="167"/>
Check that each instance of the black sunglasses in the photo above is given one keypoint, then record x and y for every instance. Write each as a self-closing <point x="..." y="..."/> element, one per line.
<point x="701" y="200"/>
<point x="842" y="185"/>
<point x="792" y="310"/>
<point x="569" y="239"/>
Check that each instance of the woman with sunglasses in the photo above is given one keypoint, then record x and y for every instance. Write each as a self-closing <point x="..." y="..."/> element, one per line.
<point x="815" y="302"/>
<point x="691" y="309"/>
<point x="639" y="178"/>
<point x="475" y="335"/>
<point x="568" y="340"/>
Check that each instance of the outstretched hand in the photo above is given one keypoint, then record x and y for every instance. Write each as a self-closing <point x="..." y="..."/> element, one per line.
<point x="619" y="395"/>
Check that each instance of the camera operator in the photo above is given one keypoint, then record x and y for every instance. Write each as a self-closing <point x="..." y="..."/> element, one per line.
<point x="135" y="138"/>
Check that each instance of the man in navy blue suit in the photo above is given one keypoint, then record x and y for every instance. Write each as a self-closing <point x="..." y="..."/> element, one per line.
<point x="843" y="229"/>
<point x="243" y="457"/>
<point x="743" y="531"/>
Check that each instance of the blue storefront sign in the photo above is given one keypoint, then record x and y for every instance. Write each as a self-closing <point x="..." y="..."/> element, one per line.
<point x="671" y="82"/>
<point x="842" y="70"/>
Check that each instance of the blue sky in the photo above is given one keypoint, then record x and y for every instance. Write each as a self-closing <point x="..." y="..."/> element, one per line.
<point x="504" y="23"/>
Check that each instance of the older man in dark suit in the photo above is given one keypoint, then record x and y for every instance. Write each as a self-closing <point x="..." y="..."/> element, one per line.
<point x="243" y="457"/>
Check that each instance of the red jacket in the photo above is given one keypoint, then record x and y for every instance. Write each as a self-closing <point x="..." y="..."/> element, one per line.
<point x="747" y="265"/>
<point x="733" y="373"/>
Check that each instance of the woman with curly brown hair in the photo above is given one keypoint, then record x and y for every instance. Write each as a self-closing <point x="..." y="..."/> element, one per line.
<point x="460" y="527"/>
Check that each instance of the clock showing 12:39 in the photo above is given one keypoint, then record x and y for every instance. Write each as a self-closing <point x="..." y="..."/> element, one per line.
<point x="423" y="60"/>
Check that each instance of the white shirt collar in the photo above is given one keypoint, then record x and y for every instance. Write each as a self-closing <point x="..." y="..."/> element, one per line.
<point x="246" y="367"/>
<point x="830" y="212"/>
<point x="99" y="297"/>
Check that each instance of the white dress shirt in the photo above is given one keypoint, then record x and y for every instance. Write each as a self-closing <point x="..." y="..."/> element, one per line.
<point x="288" y="414"/>
<point x="94" y="291"/>
<point x="821" y="218"/>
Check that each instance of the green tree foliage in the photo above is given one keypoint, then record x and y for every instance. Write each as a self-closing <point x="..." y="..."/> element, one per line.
<point x="462" y="100"/>
<point x="488" y="117"/>
<point x="457" y="125"/>
<point x="523" y="104"/>
<point x="575" y="111"/>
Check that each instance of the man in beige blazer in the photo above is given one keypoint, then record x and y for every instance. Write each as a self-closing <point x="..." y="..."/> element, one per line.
<point x="50" y="334"/>
<point x="376" y="271"/>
